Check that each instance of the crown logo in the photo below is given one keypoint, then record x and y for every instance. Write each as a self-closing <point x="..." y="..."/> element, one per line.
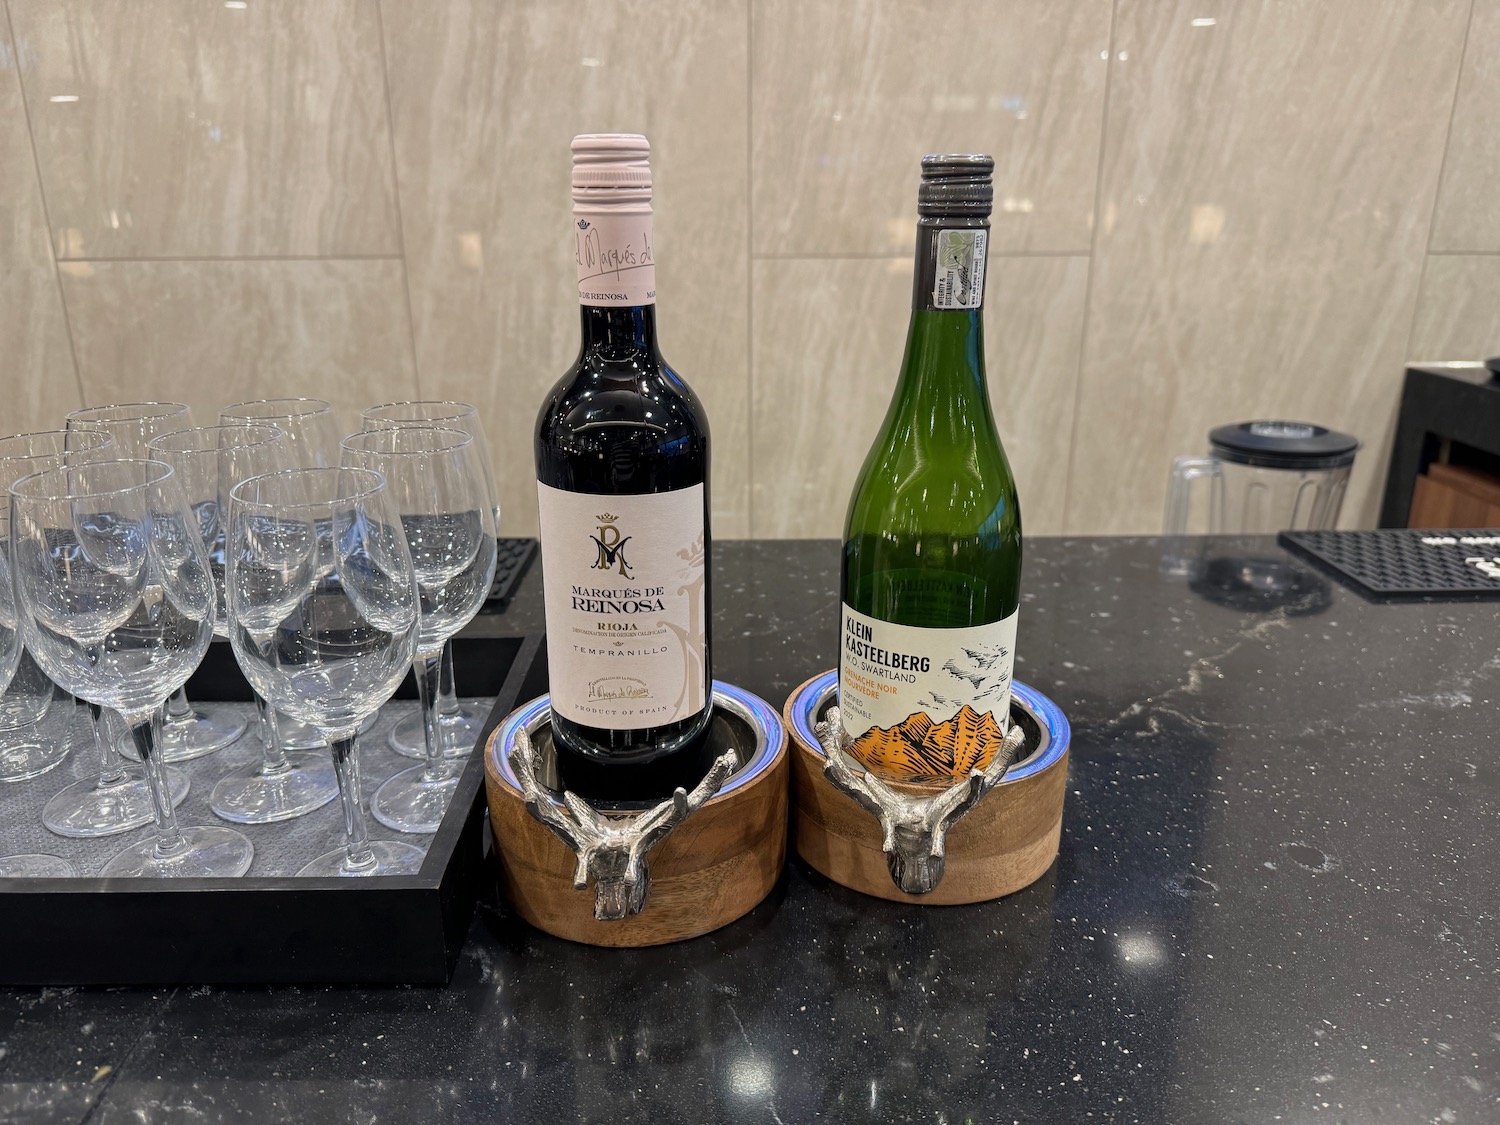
<point x="606" y="518"/>
<point x="583" y="224"/>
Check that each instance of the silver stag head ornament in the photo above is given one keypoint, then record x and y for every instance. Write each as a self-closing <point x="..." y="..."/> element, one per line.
<point x="611" y="850"/>
<point x="915" y="827"/>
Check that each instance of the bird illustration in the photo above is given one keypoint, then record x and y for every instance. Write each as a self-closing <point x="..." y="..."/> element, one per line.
<point x="607" y="555"/>
<point x="937" y="702"/>
<point x="985" y="660"/>
<point x="993" y="690"/>
<point x="952" y="668"/>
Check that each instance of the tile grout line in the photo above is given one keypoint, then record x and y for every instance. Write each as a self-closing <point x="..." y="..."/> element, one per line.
<point x="903" y="257"/>
<point x="1093" y="255"/>
<point x="390" y="137"/>
<point x="115" y="1073"/>
<point x="1437" y="194"/>
<point x="245" y="258"/>
<point x="750" y="267"/>
<point x="41" y="194"/>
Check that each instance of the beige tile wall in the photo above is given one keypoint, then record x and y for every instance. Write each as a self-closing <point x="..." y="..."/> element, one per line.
<point x="1205" y="210"/>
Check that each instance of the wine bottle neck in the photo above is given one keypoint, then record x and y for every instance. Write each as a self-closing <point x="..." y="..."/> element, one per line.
<point x="945" y="347"/>
<point x="616" y="331"/>
<point x="949" y="274"/>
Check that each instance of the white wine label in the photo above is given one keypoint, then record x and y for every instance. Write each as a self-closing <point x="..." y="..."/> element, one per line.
<point x="924" y="705"/>
<point x="958" y="276"/>
<point x="624" y="582"/>
<point x="616" y="262"/>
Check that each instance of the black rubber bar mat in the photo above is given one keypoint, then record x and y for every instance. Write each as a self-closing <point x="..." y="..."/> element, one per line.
<point x="1406" y="563"/>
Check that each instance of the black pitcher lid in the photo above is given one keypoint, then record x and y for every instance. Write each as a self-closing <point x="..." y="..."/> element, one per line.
<point x="1283" y="445"/>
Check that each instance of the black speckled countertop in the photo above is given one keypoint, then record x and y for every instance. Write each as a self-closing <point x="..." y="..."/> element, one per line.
<point x="1276" y="900"/>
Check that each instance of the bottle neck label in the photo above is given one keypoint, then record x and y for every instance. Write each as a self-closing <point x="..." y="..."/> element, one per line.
<point x="950" y="267"/>
<point x="615" y="249"/>
<point x="625" y="583"/>
<point x="924" y="705"/>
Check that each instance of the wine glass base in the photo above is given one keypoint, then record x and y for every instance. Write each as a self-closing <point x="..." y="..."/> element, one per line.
<point x="211" y="729"/>
<point x="408" y="802"/>
<point x="299" y="736"/>
<point x="388" y="857"/>
<point x="31" y="758"/>
<point x="35" y="867"/>
<point x="249" y="796"/>
<point x="211" y="853"/>
<point x="83" y="810"/>
<point x="460" y="730"/>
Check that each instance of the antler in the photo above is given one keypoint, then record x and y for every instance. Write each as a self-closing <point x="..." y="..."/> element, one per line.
<point x="612" y="850"/>
<point x="861" y="785"/>
<point x="915" y="829"/>
<point x="575" y="831"/>
<point x="655" y="826"/>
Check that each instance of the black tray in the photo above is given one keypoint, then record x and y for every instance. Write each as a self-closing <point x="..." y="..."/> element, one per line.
<point x="1403" y="563"/>
<point x="387" y="930"/>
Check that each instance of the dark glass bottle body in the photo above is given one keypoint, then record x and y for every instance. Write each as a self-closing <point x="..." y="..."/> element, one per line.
<point x="622" y="422"/>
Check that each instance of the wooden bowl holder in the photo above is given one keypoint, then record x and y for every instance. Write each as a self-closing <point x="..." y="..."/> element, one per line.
<point x="717" y="865"/>
<point x="1004" y="843"/>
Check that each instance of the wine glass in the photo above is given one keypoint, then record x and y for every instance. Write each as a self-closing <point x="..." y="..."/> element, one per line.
<point x="436" y="484"/>
<point x="17" y="866"/>
<point x="460" y="723"/>
<point x="189" y="732"/>
<point x="117" y="800"/>
<point x="116" y="603"/>
<point x="209" y="462"/>
<point x="323" y="621"/>
<point x="27" y="747"/>
<point x="313" y="431"/>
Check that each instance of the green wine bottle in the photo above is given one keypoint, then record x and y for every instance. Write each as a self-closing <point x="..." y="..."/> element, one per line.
<point x="932" y="542"/>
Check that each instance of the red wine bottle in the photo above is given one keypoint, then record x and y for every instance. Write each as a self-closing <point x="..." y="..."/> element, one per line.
<point x="622" y="460"/>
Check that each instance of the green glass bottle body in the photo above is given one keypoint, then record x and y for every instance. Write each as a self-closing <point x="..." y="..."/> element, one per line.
<point x="932" y="547"/>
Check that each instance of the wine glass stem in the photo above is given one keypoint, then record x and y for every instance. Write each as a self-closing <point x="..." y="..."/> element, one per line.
<point x="428" y="670"/>
<point x="273" y="758"/>
<point x="356" y="837"/>
<point x="147" y="737"/>
<point x="111" y="768"/>
<point x="447" y="699"/>
<point x="179" y="710"/>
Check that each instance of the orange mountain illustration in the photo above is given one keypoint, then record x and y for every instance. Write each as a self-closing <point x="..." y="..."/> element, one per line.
<point x="918" y="750"/>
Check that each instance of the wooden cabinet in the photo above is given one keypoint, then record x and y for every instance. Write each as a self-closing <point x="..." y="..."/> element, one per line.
<point x="1455" y="496"/>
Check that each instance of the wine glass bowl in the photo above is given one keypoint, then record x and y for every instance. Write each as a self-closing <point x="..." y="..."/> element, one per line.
<point x="434" y="478"/>
<point x="321" y="595"/>
<point x="209" y="462"/>
<point x="132" y="425"/>
<point x="117" y="596"/>
<point x="310" y="426"/>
